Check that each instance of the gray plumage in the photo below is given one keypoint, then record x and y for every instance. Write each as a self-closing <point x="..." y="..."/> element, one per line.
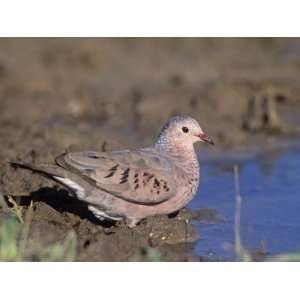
<point x="135" y="184"/>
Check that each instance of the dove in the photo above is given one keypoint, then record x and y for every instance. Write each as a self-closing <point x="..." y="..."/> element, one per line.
<point x="131" y="185"/>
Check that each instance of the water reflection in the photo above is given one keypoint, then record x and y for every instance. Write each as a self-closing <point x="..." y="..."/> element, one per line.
<point x="270" y="210"/>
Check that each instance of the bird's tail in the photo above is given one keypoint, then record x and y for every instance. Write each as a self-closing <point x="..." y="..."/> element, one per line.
<point x="47" y="170"/>
<point x="58" y="174"/>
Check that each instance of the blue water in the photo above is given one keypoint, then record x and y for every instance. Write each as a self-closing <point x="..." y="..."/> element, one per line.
<point x="270" y="213"/>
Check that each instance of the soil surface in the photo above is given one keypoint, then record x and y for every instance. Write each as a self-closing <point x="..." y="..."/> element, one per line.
<point x="107" y="94"/>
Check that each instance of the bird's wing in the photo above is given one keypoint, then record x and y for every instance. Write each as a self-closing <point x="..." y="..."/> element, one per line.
<point x="140" y="176"/>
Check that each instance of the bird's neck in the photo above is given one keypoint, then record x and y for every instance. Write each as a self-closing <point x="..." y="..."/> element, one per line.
<point x="184" y="155"/>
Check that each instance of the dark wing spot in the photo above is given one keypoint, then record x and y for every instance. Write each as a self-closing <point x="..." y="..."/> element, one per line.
<point x="156" y="183"/>
<point x="165" y="185"/>
<point x="113" y="171"/>
<point x="110" y="174"/>
<point x="126" y="172"/>
<point x="150" y="177"/>
<point x="123" y="180"/>
<point x="136" y="175"/>
<point x="136" y="186"/>
<point x="114" y="168"/>
<point x="95" y="156"/>
<point x="146" y="174"/>
<point x="157" y="192"/>
<point x="136" y="180"/>
<point x="125" y="175"/>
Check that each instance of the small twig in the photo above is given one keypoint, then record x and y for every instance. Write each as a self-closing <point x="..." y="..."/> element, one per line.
<point x="238" y="203"/>
<point x="239" y="250"/>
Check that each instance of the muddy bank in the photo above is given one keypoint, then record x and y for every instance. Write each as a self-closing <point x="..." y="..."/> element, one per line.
<point x="104" y="94"/>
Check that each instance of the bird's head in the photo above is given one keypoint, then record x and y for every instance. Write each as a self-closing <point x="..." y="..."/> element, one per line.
<point x="182" y="131"/>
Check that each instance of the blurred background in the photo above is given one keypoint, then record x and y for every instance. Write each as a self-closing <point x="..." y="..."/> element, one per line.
<point x="58" y="90"/>
<point x="113" y="93"/>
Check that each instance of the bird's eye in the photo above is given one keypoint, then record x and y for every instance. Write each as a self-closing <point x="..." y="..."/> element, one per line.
<point x="185" y="129"/>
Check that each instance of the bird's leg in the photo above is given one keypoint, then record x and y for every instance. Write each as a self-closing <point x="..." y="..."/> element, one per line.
<point x="131" y="222"/>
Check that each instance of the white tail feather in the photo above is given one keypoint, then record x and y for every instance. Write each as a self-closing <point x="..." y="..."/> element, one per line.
<point x="78" y="189"/>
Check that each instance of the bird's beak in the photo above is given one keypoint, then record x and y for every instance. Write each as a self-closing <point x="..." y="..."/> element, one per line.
<point x="205" y="138"/>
